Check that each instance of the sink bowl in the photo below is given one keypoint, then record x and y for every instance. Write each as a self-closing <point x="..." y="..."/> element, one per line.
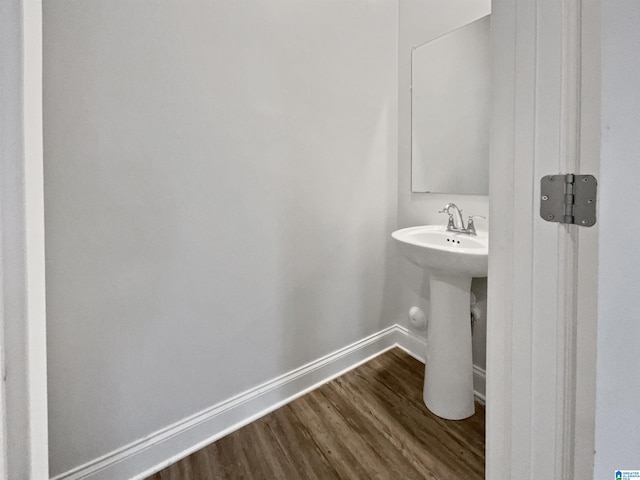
<point x="432" y="247"/>
<point x="450" y="260"/>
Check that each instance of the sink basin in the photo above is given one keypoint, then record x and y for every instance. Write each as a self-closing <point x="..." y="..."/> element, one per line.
<point x="431" y="246"/>
<point x="450" y="260"/>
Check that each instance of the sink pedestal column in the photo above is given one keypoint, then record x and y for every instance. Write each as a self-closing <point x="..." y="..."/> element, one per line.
<point x="448" y="379"/>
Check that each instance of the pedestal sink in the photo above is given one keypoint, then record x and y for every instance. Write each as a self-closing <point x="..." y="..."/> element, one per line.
<point x="451" y="260"/>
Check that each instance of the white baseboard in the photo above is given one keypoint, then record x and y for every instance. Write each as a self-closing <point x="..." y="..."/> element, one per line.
<point x="148" y="455"/>
<point x="415" y="345"/>
<point x="480" y="384"/>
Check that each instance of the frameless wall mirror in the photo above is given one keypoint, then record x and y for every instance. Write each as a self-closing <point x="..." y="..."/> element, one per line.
<point x="450" y="112"/>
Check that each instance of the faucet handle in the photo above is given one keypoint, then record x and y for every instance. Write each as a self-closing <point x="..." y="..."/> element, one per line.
<point x="450" y="221"/>
<point x="471" y="228"/>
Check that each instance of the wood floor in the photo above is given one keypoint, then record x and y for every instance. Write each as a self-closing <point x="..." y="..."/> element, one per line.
<point x="367" y="424"/>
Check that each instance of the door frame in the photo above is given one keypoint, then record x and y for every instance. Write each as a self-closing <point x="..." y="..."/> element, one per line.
<point x="542" y="276"/>
<point x="23" y="391"/>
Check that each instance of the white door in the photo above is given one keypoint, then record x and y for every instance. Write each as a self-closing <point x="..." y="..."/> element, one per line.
<point x="542" y="275"/>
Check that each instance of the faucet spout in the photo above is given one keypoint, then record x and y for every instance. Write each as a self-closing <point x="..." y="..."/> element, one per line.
<point x="455" y="216"/>
<point x="456" y="223"/>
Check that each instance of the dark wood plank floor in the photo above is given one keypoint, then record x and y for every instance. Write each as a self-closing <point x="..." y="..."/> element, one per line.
<point x="370" y="423"/>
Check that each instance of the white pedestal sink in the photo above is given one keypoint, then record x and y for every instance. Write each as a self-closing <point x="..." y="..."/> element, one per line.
<point x="451" y="260"/>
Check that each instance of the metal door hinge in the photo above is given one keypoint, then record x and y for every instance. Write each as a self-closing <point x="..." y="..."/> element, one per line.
<point x="569" y="199"/>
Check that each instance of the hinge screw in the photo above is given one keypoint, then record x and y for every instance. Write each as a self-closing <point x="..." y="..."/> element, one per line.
<point x="551" y="179"/>
<point x="590" y="200"/>
<point x="585" y="179"/>
<point x="584" y="220"/>
<point x="545" y="197"/>
<point x="550" y="217"/>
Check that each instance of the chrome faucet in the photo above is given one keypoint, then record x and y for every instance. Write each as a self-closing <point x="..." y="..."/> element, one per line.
<point x="456" y="223"/>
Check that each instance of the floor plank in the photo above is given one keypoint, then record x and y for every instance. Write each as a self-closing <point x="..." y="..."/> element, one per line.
<point x="369" y="423"/>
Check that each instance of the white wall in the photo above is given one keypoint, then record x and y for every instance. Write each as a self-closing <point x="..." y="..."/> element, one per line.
<point x="221" y="183"/>
<point x="419" y="22"/>
<point x="618" y="372"/>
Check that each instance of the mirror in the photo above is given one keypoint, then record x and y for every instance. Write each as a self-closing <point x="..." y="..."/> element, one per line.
<point x="450" y="112"/>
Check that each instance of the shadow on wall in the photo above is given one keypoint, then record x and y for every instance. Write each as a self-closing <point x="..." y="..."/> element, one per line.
<point x="337" y="261"/>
